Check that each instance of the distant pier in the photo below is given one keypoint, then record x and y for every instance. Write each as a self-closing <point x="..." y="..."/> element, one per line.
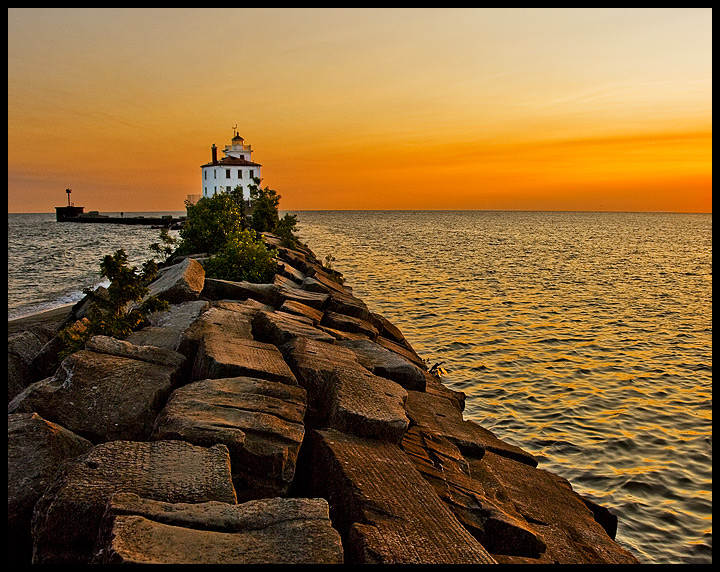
<point x="71" y="213"/>
<point x="76" y="214"/>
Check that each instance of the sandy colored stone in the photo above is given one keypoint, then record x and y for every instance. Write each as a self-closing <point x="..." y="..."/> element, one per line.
<point x="102" y="397"/>
<point x="67" y="517"/>
<point x="222" y="355"/>
<point x="386" y="510"/>
<point x="36" y="450"/>
<point x="498" y="527"/>
<point x="300" y="309"/>
<point x="349" y="324"/>
<point x="181" y="282"/>
<point x="551" y="508"/>
<point x="260" y="422"/>
<point x="442" y="416"/>
<point x="385" y="363"/>
<point x="267" y="531"/>
<point x="279" y="328"/>
<point x="366" y="405"/>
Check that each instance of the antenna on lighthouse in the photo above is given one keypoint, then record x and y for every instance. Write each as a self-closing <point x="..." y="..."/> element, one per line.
<point x="234" y="128"/>
<point x="68" y="191"/>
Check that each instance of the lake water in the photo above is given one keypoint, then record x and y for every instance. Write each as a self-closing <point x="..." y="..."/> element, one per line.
<point x="584" y="338"/>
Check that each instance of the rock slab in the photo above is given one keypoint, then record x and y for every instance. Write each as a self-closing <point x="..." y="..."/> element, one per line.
<point x="268" y="531"/>
<point x="36" y="450"/>
<point x="67" y="517"/>
<point x="385" y="511"/>
<point x="123" y="393"/>
<point x="260" y="422"/>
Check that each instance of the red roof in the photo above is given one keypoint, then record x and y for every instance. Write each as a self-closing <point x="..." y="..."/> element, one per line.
<point x="233" y="162"/>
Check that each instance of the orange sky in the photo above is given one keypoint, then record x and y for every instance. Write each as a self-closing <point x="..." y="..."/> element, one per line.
<point x="532" y="109"/>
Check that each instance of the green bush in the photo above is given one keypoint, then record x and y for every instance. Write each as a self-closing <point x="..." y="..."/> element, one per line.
<point x="243" y="258"/>
<point x="210" y="223"/>
<point x="165" y="249"/>
<point x="285" y="230"/>
<point x="123" y="310"/>
<point x="265" y="208"/>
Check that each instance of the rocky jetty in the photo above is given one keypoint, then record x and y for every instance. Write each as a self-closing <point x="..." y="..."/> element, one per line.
<point x="269" y="423"/>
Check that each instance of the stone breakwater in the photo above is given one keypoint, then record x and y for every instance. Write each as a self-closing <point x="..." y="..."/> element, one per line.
<point x="269" y="423"/>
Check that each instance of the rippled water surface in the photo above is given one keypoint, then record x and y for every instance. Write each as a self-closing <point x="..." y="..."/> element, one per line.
<point x="584" y="338"/>
<point x="49" y="263"/>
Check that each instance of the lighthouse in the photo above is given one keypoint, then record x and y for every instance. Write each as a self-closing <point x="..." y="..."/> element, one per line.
<point x="235" y="169"/>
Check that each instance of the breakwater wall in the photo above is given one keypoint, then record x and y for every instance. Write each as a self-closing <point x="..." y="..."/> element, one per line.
<point x="269" y="423"/>
<point x="75" y="214"/>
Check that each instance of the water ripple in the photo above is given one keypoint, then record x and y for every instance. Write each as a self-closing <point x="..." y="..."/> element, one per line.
<point x="585" y="338"/>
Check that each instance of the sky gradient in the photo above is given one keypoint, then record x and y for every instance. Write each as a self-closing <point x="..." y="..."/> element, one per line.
<point x="517" y="109"/>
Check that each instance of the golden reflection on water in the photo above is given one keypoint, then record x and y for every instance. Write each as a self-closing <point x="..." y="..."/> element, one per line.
<point x="584" y="338"/>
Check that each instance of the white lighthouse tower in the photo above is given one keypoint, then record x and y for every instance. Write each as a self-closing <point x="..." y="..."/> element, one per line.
<point x="233" y="170"/>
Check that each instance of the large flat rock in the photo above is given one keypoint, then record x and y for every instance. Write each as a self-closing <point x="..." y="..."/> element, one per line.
<point x="181" y="282"/>
<point x="216" y="289"/>
<point x="23" y="346"/>
<point x="232" y="319"/>
<point x="260" y="422"/>
<point x="364" y="404"/>
<point x="500" y="529"/>
<point x="442" y="416"/>
<point x="36" y="450"/>
<point x="320" y="282"/>
<point x="167" y="327"/>
<point x="343" y="394"/>
<point x="349" y="324"/>
<point x="555" y="512"/>
<point x="408" y="353"/>
<point x="67" y="517"/>
<point x="223" y="355"/>
<point x="384" y="509"/>
<point x="267" y="531"/>
<point x="288" y="271"/>
<point x="385" y="363"/>
<point x="317" y="300"/>
<point x="300" y="309"/>
<point x="345" y="303"/>
<point x="104" y="397"/>
<point x="121" y="348"/>
<point x="280" y="327"/>
<point x="313" y="361"/>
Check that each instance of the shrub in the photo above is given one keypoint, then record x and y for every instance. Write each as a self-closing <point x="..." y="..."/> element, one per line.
<point x="265" y="208"/>
<point x="243" y="258"/>
<point x="168" y="242"/>
<point x="285" y="230"/>
<point x="210" y="223"/>
<point x="123" y="310"/>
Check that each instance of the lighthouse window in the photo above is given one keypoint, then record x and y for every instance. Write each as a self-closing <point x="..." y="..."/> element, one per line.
<point x="239" y="173"/>
<point x="252" y="173"/>
<point x="227" y="173"/>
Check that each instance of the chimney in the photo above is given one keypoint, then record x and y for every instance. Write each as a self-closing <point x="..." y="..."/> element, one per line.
<point x="214" y="155"/>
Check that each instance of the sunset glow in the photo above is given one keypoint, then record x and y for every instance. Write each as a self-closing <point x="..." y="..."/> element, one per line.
<point x="531" y="109"/>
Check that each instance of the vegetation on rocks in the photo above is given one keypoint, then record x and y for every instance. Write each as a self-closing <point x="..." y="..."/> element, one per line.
<point x="218" y="226"/>
<point x="210" y="224"/>
<point x="244" y="257"/>
<point x="214" y="221"/>
<point x="123" y="309"/>
<point x="165" y="250"/>
<point x="265" y="424"/>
